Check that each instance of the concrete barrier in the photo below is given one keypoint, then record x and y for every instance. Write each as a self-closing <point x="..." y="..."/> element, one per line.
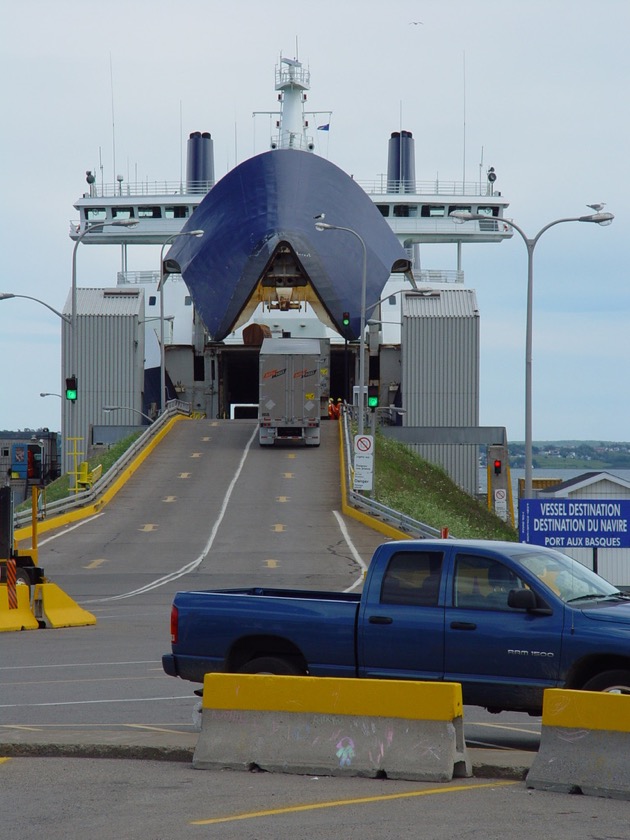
<point x="584" y="744"/>
<point x="333" y="727"/>
<point x="21" y="617"/>
<point x="52" y="605"/>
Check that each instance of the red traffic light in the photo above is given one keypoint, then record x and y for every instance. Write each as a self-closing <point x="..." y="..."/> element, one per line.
<point x="497" y="466"/>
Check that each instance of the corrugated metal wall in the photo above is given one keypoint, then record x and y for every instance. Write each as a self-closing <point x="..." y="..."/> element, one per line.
<point x="110" y="361"/>
<point x="440" y="374"/>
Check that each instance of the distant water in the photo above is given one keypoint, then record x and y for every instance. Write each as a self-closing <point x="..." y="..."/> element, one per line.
<point x="560" y="475"/>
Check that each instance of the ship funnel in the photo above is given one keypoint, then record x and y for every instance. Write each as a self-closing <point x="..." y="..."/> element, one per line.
<point x="401" y="163"/>
<point x="200" y="163"/>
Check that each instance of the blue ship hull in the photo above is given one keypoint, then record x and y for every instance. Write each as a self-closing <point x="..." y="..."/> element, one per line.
<point x="270" y="199"/>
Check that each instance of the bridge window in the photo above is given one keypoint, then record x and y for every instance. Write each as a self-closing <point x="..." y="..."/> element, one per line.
<point x="405" y="210"/>
<point x="149" y="212"/>
<point x="177" y="212"/>
<point x="460" y="208"/>
<point x="384" y="209"/>
<point x="152" y="300"/>
<point x="433" y="210"/>
<point x="488" y="211"/>
<point x="95" y="214"/>
<point x="188" y="300"/>
<point x="122" y="212"/>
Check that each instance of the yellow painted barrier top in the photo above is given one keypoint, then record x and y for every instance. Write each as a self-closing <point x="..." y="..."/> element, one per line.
<point x="333" y="696"/>
<point x="586" y="710"/>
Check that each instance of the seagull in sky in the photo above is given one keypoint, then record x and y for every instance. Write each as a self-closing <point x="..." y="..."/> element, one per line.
<point x="597" y="207"/>
<point x="416" y="23"/>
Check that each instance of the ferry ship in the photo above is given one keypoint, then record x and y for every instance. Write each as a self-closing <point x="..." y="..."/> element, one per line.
<point x="211" y="321"/>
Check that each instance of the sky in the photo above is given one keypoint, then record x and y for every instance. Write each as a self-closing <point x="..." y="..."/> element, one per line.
<point x="538" y="89"/>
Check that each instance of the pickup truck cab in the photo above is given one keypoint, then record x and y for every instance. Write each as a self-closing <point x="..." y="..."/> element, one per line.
<point x="506" y="620"/>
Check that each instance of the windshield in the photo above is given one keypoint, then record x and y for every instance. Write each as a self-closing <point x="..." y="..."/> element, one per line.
<point x="565" y="576"/>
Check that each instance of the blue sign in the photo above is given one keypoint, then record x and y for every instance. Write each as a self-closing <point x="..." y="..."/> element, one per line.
<point x="579" y="523"/>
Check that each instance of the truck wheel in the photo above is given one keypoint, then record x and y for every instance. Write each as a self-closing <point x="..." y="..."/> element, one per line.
<point x="270" y="665"/>
<point x="614" y="682"/>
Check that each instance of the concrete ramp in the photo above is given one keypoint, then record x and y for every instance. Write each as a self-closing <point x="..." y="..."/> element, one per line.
<point x="584" y="744"/>
<point x="333" y="727"/>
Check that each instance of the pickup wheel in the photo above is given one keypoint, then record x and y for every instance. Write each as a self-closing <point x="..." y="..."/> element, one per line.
<point x="613" y="682"/>
<point x="270" y="665"/>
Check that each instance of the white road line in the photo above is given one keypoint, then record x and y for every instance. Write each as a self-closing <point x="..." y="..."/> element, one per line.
<point x="67" y="530"/>
<point x="355" y="553"/>
<point x="189" y="567"/>
<point x="188" y="697"/>
<point x="77" y="665"/>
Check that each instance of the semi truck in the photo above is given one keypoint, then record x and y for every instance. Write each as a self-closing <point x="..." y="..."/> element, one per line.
<point x="289" y="391"/>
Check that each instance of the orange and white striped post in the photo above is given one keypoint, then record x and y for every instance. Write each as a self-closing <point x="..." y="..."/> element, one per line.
<point x="11" y="584"/>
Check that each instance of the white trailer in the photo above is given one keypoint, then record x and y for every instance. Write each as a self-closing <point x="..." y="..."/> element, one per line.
<point x="289" y="394"/>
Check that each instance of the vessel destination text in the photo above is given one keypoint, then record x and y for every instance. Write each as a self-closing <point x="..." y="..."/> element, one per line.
<point x="576" y="524"/>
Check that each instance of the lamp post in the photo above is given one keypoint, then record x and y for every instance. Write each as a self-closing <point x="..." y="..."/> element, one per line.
<point x="362" y="387"/>
<point x="8" y="295"/>
<point x="109" y="408"/>
<point x="162" y="318"/>
<point x="530" y="243"/>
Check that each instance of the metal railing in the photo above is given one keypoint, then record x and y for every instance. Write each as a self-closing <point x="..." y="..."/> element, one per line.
<point x="149" y="188"/>
<point x="385" y="186"/>
<point x="370" y="506"/>
<point x="90" y="496"/>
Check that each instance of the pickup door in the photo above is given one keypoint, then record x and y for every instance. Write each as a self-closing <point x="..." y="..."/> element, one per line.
<point x="503" y="657"/>
<point x="444" y="615"/>
<point x="401" y="625"/>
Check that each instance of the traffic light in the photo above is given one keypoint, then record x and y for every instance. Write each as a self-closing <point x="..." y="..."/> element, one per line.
<point x="497" y="466"/>
<point x="345" y="319"/>
<point x="372" y="396"/>
<point x="71" y="388"/>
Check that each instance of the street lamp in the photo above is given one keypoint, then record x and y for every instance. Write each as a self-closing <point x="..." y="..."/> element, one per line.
<point x="109" y="408"/>
<point x="362" y="389"/>
<point x="597" y="218"/>
<point x="7" y="295"/>
<point x="196" y="233"/>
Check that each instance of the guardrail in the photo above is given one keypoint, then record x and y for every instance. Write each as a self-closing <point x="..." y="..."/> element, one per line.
<point x="91" y="495"/>
<point x="370" y="506"/>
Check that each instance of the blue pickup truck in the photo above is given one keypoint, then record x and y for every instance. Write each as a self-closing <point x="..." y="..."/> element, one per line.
<point x="506" y="620"/>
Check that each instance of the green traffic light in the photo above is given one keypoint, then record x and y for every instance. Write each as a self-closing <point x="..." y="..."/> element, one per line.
<point x="372" y="402"/>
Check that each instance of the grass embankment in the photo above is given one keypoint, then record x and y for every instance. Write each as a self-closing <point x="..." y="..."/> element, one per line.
<point x="407" y="483"/>
<point x="60" y="489"/>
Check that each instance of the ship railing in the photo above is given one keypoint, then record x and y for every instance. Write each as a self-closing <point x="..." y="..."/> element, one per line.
<point x="443" y="225"/>
<point x="385" y="186"/>
<point x="149" y="188"/>
<point x="437" y="275"/>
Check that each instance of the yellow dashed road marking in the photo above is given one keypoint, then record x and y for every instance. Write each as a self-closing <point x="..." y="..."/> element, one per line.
<point x="185" y="475"/>
<point x="271" y="564"/>
<point x="288" y="475"/>
<point x="196" y="455"/>
<point x="278" y="528"/>
<point x="95" y="563"/>
<point x="148" y="527"/>
<point x="169" y="499"/>
<point x="282" y="498"/>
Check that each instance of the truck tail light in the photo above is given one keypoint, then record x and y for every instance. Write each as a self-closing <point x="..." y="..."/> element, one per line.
<point x="174" y="625"/>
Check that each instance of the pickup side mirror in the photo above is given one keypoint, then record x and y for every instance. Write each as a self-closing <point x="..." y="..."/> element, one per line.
<point x="526" y="599"/>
